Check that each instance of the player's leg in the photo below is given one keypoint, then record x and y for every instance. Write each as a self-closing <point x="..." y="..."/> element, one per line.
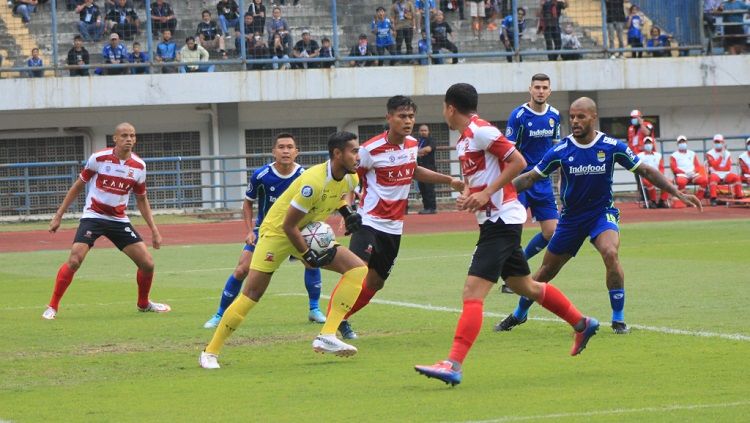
<point x="142" y="258"/>
<point x="541" y="200"/>
<point x="313" y="285"/>
<point x="65" y="277"/>
<point x="233" y="285"/>
<point x="607" y="242"/>
<point x="343" y="297"/>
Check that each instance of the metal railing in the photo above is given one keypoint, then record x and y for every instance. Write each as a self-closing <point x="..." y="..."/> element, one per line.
<point x="588" y="18"/>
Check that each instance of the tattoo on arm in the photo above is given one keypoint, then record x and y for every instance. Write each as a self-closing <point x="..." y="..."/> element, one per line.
<point x="526" y="180"/>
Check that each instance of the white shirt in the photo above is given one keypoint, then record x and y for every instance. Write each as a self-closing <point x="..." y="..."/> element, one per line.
<point x="745" y="158"/>
<point x="685" y="161"/>
<point x="652" y="159"/>
<point x="725" y="161"/>
<point x="109" y="182"/>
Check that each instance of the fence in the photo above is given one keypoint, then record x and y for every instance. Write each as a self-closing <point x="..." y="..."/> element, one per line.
<point x="200" y="182"/>
<point x="51" y="30"/>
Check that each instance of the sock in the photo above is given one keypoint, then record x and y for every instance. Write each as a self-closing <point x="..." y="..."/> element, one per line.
<point x="522" y="309"/>
<point x="231" y="320"/>
<point x="535" y="246"/>
<point x="555" y="301"/>
<point x="144" y="280"/>
<point x="343" y="298"/>
<point x="467" y="330"/>
<point x="231" y="289"/>
<point x="364" y="298"/>
<point x="62" y="282"/>
<point x="313" y="285"/>
<point x="617" y="300"/>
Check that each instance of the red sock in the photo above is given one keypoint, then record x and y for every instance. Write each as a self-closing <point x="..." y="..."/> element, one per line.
<point x="555" y="301"/>
<point x="467" y="330"/>
<point x="62" y="282"/>
<point x="144" y="286"/>
<point x="364" y="298"/>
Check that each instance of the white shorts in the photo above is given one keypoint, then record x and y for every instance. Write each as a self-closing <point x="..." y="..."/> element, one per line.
<point x="476" y="10"/>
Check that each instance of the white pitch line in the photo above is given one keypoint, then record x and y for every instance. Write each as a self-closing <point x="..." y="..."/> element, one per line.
<point x="41" y="307"/>
<point x="669" y="331"/>
<point x="615" y="411"/>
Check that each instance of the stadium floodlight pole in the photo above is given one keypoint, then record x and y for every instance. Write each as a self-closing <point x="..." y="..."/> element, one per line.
<point x="335" y="35"/>
<point x="243" y="41"/>
<point x="516" y="41"/>
<point x="605" y="34"/>
<point x="53" y="4"/>
<point x="149" y="37"/>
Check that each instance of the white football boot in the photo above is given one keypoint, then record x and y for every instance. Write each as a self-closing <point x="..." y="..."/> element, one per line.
<point x="330" y="344"/>
<point x="209" y="361"/>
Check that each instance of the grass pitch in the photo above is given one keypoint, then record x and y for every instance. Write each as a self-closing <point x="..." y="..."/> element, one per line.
<point x="686" y="359"/>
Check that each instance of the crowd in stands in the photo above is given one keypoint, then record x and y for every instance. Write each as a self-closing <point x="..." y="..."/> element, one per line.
<point x="394" y="30"/>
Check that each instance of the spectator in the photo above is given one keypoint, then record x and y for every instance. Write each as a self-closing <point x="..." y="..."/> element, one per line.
<point x="35" y="62"/>
<point x="615" y="24"/>
<point x="570" y="42"/>
<point x="657" y="39"/>
<point x="452" y="6"/>
<point x="249" y="26"/>
<point x="162" y="17"/>
<point x="258" y="10"/>
<point x="423" y="47"/>
<point x="420" y="11"/>
<point x="166" y="51"/>
<point x="426" y="159"/>
<point x="78" y="56"/>
<point x="745" y="162"/>
<point x="137" y="56"/>
<point x="278" y="25"/>
<point x="306" y="48"/>
<point x="635" y="25"/>
<point x="507" y="29"/>
<point x="257" y="49"/>
<point x="686" y="168"/>
<point x="279" y="51"/>
<point x="255" y="26"/>
<point x="192" y="54"/>
<point x="476" y="11"/>
<point x="734" y="28"/>
<point x="709" y="22"/>
<point x="653" y="158"/>
<point x="638" y="130"/>
<point x="720" y="170"/>
<point x="362" y="49"/>
<point x="123" y="20"/>
<point x="549" y="24"/>
<point x="384" y="31"/>
<point x="24" y="8"/>
<point x="90" y="23"/>
<point x="326" y="51"/>
<point x="402" y="15"/>
<point x="229" y="15"/>
<point x="491" y="9"/>
<point x="442" y="33"/>
<point x="208" y="34"/>
<point x="114" y="53"/>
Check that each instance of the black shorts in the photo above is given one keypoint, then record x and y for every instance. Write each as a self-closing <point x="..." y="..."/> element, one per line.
<point x="376" y="248"/>
<point x="121" y="234"/>
<point x="498" y="253"/>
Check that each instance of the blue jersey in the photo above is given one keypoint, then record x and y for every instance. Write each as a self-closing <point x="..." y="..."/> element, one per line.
<point x="266" y="185"/>
<point x="533" y="133"/>
<point x="587" y="172"/>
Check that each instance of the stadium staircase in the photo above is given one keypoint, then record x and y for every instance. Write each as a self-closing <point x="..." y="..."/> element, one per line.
<point x="16" y="40"/>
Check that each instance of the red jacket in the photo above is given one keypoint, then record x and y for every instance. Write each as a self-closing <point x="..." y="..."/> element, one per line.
<point x="635" y="137"/>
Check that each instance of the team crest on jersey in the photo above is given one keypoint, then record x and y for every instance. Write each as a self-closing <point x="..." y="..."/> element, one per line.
<point x="307" y="191"/>
<point x="551" y="123"/>
<point x="601" y="156"/>
<point x="269" y="256"/>
<point x="130" y="173"/>
<point x="530" y="124"/>
<point x="392" y="159"/>
<point x="570" y="159"/>
<point x="508" y="131"/>
<point x="108" y="168"/>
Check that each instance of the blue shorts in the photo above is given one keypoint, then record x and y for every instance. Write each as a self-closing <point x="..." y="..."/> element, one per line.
<point x="541" y="200"/>
<point x="572" y="230"/>
<point x="251" y="248"/>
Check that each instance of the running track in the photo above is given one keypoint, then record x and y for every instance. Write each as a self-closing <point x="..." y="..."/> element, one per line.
<point x="233" y="231"/>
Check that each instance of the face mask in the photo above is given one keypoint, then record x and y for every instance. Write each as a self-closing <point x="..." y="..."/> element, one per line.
<point x="718" y="146"/>
<point x="648" y="147"/>
<point x="634" y="121"/>
<point x="682" y="146"/>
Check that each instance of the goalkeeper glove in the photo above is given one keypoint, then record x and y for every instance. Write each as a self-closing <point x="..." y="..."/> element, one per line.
<point x="352" y="219"/>
<point x="315" y="259"/>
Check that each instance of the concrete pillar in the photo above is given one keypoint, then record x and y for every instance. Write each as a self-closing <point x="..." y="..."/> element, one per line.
<point x="231" y="143"/>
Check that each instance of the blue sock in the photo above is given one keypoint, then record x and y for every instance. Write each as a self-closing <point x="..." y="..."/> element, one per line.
<point x="617" y="300"/>
<point x="535" y="246"/>
<point x="522" y="310"/>
<point x="231" y="289"/>
<point x="313" y="285"/>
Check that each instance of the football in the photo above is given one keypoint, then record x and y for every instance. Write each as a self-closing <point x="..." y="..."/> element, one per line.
<point x="319" y="236"/>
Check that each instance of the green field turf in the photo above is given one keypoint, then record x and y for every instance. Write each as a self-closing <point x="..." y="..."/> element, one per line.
<point x="103" y="361"/>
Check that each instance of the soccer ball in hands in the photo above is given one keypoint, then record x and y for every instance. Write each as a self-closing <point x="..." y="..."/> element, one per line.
<point x="318" y="236"/>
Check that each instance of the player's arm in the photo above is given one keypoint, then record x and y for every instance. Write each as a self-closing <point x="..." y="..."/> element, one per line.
<point x="430" y="177"/>
<point x="247" y="217"/>
<point x="661" y="182"/>
<point x="514" y="165"/>
<point x="144" y="207"/>
<point x="291" y="222"/>
<point x="78" y="186"/>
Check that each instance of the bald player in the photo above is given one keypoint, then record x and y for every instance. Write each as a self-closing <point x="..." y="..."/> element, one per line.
<point x="587" y="160"/>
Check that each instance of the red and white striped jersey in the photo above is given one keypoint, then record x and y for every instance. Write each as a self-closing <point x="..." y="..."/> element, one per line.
<point x="109" y="181"/>
<point x="386" y="171"/>
<point x="719" y="162"/>
<point x="745" y="164"/>
<point x="652" y="159"/>
<point x="482" y="150"/>
<point x="684" y="163"/>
